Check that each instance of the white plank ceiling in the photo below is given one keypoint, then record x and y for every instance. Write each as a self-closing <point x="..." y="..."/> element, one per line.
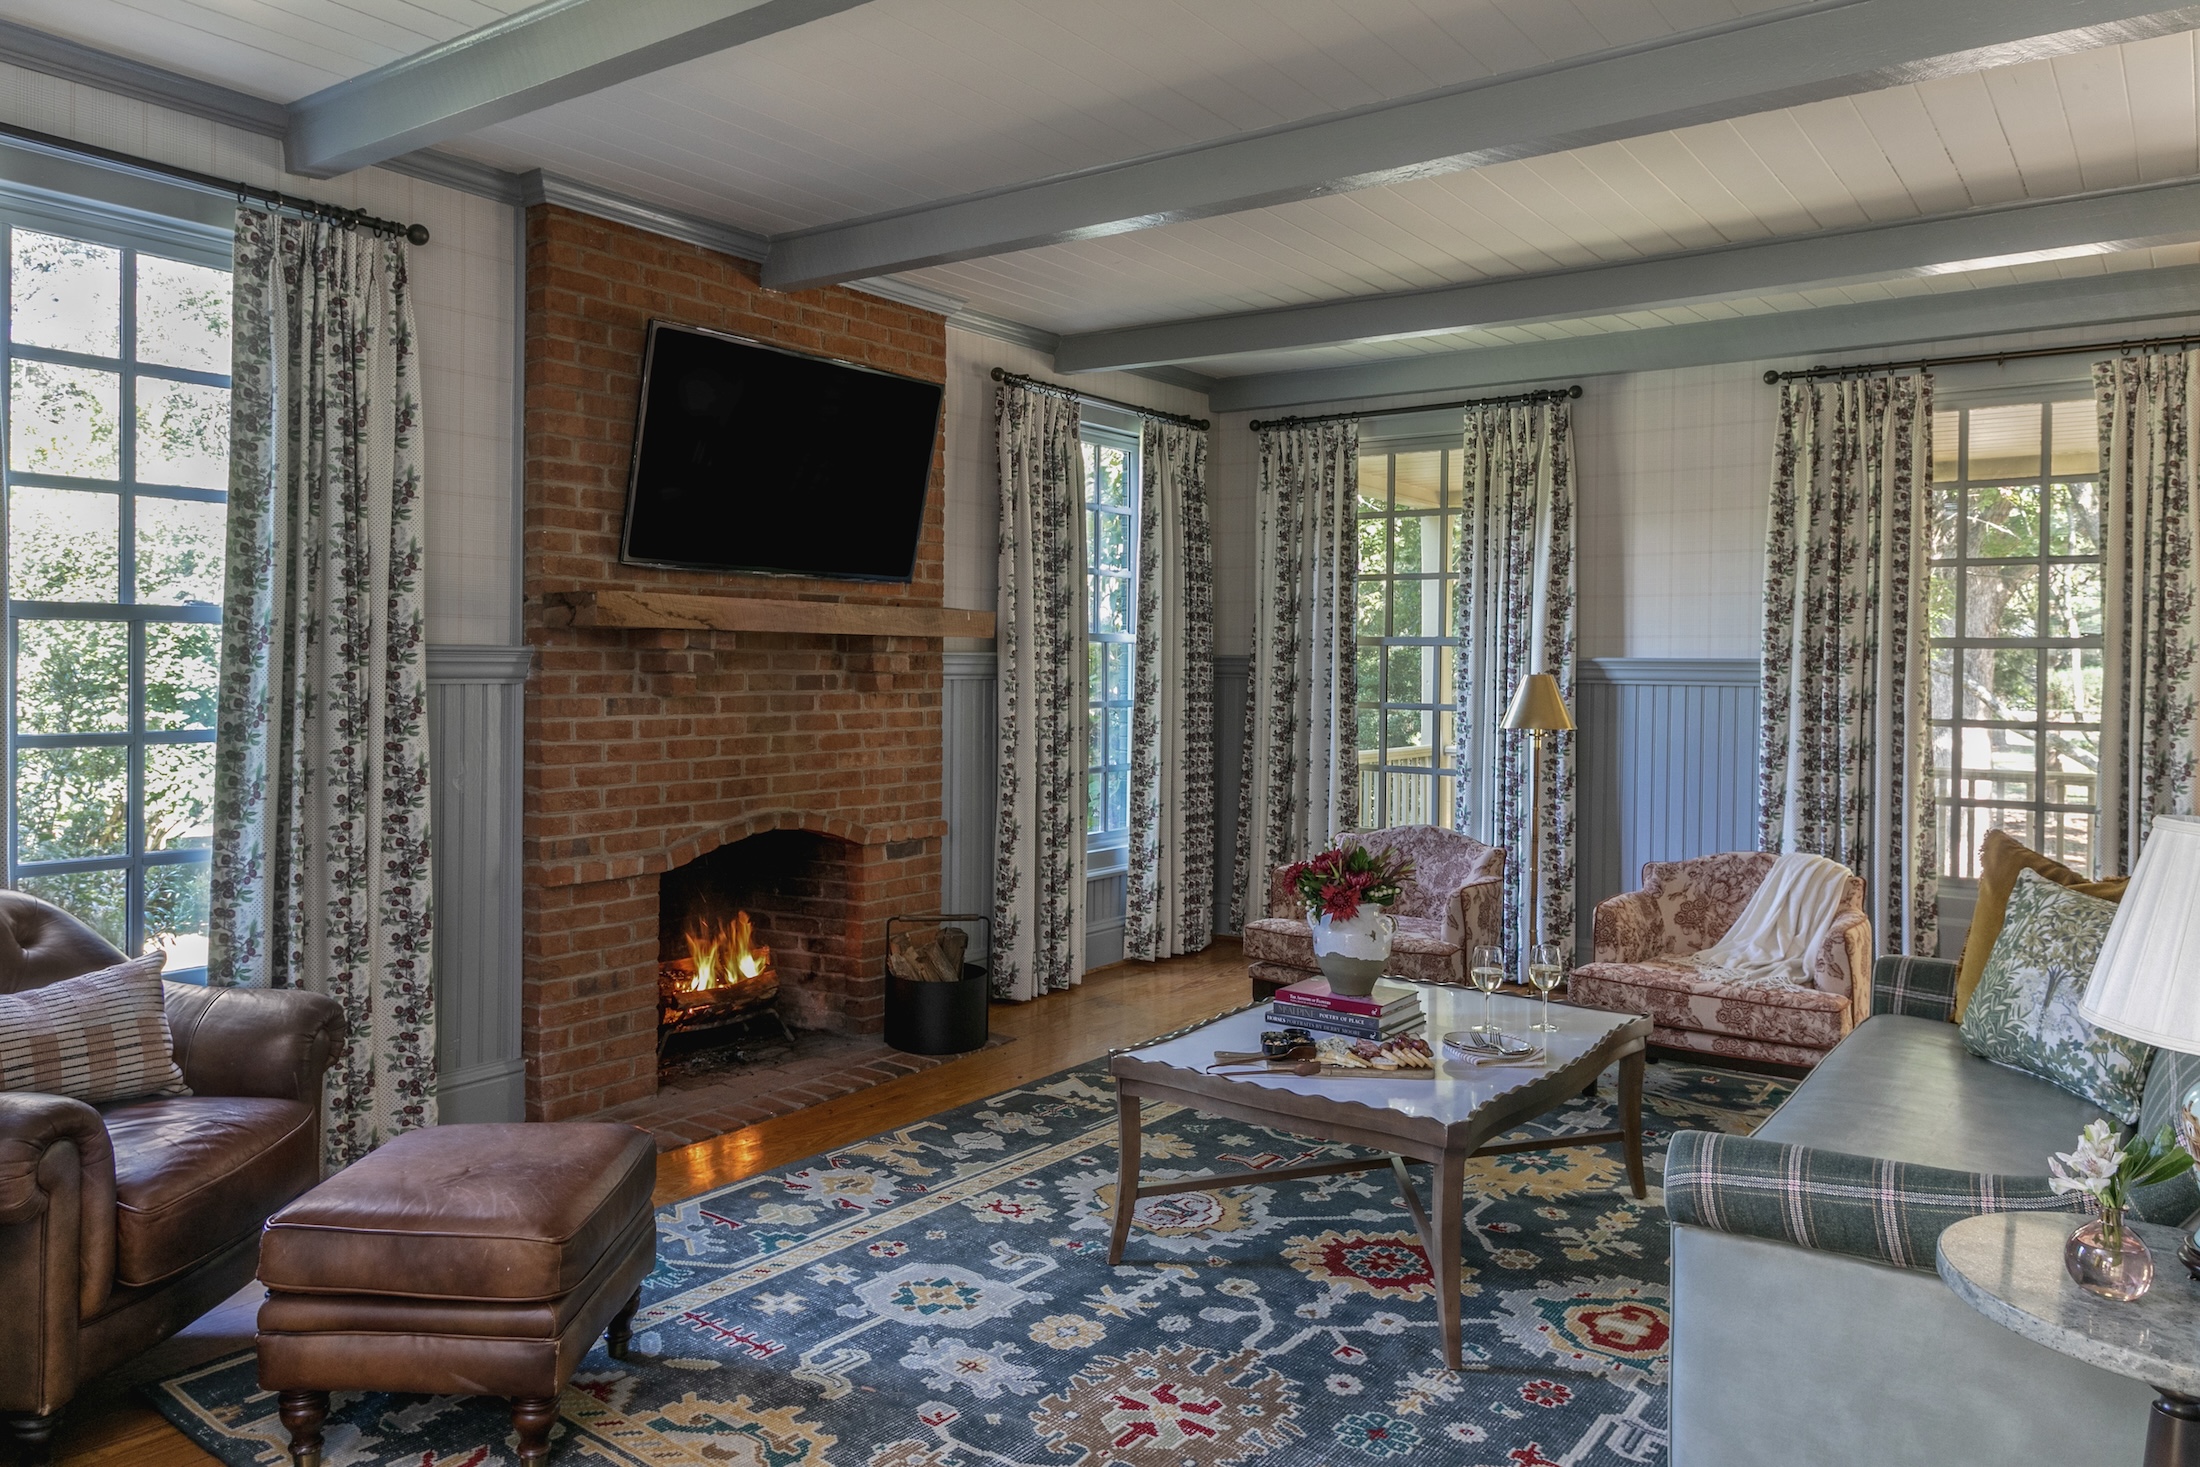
<point x="900" y="102"/>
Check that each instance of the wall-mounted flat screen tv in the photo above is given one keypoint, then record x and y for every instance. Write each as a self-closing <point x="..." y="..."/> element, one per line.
<point x="761" y="461"/>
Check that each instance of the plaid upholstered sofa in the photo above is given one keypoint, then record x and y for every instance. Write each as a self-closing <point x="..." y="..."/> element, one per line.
<point x="1455" y="900"/>
<point x="1806" y="1309"/>
<point x="1683" y="907"/>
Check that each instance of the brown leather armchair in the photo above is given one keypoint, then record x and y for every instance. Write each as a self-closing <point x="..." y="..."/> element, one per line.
<point x="121" y="1223"/>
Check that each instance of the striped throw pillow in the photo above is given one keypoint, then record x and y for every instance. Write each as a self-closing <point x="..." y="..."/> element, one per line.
<point x="102" y="1036"/>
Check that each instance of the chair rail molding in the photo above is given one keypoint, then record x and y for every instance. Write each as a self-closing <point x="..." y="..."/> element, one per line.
<point x="476" y="716"/>
<point x="1668" y="769"/>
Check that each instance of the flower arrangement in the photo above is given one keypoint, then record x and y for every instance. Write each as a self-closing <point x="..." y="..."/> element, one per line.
<point x="2108" y="1173"/>
<point x="1338" y="880"/>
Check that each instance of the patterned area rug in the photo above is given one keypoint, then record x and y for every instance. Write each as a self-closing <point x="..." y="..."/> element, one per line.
<point x="939" y="1296"/>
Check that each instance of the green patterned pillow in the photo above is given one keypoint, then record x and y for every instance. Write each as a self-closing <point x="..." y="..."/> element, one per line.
<point x="2025" y="1011"/>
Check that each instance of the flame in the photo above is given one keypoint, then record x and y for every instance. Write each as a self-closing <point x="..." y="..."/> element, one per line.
<point x="726" y="953"/>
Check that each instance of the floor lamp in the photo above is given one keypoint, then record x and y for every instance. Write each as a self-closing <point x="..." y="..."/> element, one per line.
<point x="1537" y="710"/>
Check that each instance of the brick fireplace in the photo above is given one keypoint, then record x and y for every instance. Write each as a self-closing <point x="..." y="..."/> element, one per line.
<point x="812" y="761"/>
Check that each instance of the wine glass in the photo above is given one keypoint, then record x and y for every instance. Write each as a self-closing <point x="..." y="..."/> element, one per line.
<point x="1488" y="968"/>
<point x="1546" y="966"/>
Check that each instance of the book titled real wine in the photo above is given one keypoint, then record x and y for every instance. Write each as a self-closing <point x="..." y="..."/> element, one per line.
<point x="1388" y="998"/>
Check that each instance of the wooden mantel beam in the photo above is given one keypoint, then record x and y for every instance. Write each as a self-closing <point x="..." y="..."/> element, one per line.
<point x="687" y="611"/>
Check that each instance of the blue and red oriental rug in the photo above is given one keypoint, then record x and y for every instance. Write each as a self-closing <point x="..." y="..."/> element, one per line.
<point x="939" y="1296"/>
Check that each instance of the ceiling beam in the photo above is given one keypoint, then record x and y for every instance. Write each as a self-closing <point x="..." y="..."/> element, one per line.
<point x="546" y="54"/>
<point x="2113" y="219"/>
<point x="1801" y="53"/>
<point x="1879" y="329"/>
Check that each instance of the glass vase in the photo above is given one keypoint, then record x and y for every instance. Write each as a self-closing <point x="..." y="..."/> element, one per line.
<point x="2105" y="1257"/>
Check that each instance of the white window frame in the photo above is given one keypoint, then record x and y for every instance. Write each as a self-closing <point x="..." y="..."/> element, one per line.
<point x="132" y="233"/>
<point x="1414" y="784"/>
<point x="1103" y="756"/>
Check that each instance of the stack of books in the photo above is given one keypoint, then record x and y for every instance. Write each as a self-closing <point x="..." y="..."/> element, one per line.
<point x="1393" y="1008"/>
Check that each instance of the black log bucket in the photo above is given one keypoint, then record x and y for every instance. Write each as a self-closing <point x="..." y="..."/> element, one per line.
<point x="940" y="1018"/>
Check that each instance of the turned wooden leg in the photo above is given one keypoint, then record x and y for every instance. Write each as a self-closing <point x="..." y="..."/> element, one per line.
<point x="622" y="1327"/>
<point x="1448" y="1230"/>
<point x="303" y="1413"/>
<point x="532" y="1418"/>
<point x="1126" y="1171"/>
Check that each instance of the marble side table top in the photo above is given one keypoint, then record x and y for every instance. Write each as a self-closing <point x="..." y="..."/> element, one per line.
<point x="2009" y="1267"/>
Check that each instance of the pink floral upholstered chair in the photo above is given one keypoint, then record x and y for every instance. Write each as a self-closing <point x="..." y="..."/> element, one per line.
<point x="1454" y="901"/>
<point x="1684" y="907"/>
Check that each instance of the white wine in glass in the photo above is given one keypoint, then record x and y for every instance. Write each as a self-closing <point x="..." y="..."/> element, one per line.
<point x="1546" y="966"/>
<point x="1489" y="975"/>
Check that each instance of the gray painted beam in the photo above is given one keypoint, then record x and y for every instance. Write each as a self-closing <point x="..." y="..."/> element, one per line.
<point x="1881" y="329"/>
<point x="2118" y="219"/>
<point x="546" y="54"/>
<point x="1784" y="57"/>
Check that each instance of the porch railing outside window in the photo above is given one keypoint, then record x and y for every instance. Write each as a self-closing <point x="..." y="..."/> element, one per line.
<point x="1408" y="525"/>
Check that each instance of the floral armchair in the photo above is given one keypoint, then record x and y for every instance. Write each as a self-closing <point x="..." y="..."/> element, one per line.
<point x="1643" y="937"/>
<point x="1454" y="901"/>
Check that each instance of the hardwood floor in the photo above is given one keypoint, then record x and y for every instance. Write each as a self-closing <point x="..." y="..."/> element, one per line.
<point x="110" y="1426"/>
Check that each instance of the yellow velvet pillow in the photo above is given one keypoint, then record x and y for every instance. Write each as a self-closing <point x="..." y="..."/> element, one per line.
<point x="1999" y="861"/>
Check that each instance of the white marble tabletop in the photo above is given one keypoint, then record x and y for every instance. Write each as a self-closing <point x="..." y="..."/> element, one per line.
<point x="1459" y="1088"/>
<point x="2009" y="1267"/>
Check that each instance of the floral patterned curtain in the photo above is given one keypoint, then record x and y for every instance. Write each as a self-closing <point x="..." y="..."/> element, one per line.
<point x="1039" y="845"/>
<point x="1169" y="903"/>
<point x="1300" y="777"/>
<point x="1842" y="752"/>
<point x="1516" y="616"/>
<point x="321" y="849"/>
<point x="2151" y="666"/>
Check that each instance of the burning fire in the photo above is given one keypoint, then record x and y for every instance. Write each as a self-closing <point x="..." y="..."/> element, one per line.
<point x="726" y="953"/>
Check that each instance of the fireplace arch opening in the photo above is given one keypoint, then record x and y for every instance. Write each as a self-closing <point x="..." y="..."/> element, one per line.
<point x="776" y="911"/>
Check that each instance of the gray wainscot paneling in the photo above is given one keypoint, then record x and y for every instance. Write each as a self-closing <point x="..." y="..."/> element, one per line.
<point x="475" y="723"/>
<point x="1233" y="679"/>
<point x="1668" y="769"/>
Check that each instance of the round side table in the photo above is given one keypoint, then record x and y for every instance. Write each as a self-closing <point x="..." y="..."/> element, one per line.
<point x="2009" y="1267"/>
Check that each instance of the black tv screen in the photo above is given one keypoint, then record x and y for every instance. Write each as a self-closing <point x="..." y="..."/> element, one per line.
<point x="752" y="459"/>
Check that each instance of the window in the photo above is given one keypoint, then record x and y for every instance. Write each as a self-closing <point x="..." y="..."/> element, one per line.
<point x="1111" y="621"/>
<point x="2016" y="629"/>
<point x="117" y="425"/>
<point x="1408" y="522"/>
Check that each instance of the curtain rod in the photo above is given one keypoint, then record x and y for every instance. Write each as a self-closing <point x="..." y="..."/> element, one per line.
<point x="352" y="218"/>
<point x="1002" y="374"/>
<point x="1926" y="364"/>
<point x="1541" y="394"/>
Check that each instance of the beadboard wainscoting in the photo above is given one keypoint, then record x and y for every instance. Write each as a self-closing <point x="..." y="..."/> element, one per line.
<point x="1668" y="769"/>
<point x="1233" y="682"/>
<point x="475" y="716"/>
<point x="970" y="745"/>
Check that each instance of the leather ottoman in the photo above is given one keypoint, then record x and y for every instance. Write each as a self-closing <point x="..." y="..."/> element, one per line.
<point x="464" y="1260"/>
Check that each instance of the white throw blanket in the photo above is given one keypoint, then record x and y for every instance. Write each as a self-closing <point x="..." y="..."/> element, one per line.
<point x="1783" y="925"/>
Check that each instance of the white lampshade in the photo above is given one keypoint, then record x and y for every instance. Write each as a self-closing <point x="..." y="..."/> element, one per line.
<point x="2146" y="983"/>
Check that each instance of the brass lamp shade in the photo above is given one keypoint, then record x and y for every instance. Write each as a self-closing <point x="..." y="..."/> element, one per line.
<point x="1537" y="707"/>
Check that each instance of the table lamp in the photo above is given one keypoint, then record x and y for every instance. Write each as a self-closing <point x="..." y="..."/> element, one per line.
<point x="2146" y="982"/>
<point x="1537" y="710"/>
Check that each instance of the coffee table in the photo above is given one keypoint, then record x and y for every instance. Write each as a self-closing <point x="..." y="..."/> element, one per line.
<point x="1440" y="1121"/>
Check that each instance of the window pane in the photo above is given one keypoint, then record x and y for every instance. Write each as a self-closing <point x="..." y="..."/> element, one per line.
<point x="1093" y="815"/>
<point x="2067" y="835"/>
<point x="1369" y="593"/>
<point x="1119" y="738"/>
<point x="2005" y="521"/>
<point x="1093" y="684"/>
<point x="182" y="665"/>
<point x="2076" y="426"/>
<point x="1119" y="671"/>
<point x="1374" y="484"/>
<point x="1940" y="601"/>
<point x="1414" y="544"/>
<point x="175" y="914"/>
<point x="1096" y="755"/>
<point x="2002" y="601"/>
<point x="2074" y="600"/>
<point x="67" y="295"/>
<point x="74" y="677"/>
<point x="1405" y="675"/>
<point x="182" y="315"/>
<point x="1110" y="610"/>
<point x="1941" y="670"/>
<point x="1407" y="598"/>
<point x="1119" y="801"/>
<point x="1947" y="510"/>
<point x="1420" y="480"/>
<point x="1113" y="482"/>
<point x="1946" y="443"/>
<point x="2074" y="518"/>
<point x="2073" y="768"/>
<point x="2005" y="441"/>
<point x="2001" y="684"/>
<point x="63" y="420"/>
<point x="179" y="797"/>
<point x="70" y="803"/>
<point x="182" y="434"/>
<point x="1374" y="546"/>
<point x="64" y="545"/>
<point x="98" y="899"/>
<point x="2074" y="685"/>
<point x="1406" y="737"/>
<point x="1112" y="541"/>
<point x="180" y="544"/>
<point x="1366" y="669"/>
